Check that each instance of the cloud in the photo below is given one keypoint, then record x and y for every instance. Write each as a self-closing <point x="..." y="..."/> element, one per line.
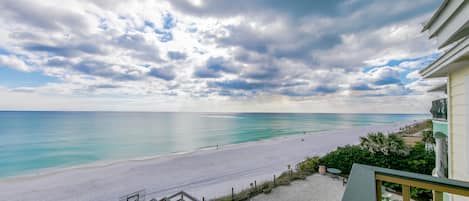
<point x="361" y="87"/>
<point x="44" y="17"/>
<point x="219" y="64"/>
<point x="175" y="55"/>
<point x="241" y="85"/>
<point x="205" y="73"/>
<point x="414" y="75"/>
<point x="139" y="46"/>
<point x="13" y="62"/>
<point x="164" y="36"/>
<point x="220" y="50"/>
<point x="65" y="51"/>
<point x="165" y="73"/>
<point x="385" y="76"/>
<point x="214" y="67"/>
<point x="107" y="70"/>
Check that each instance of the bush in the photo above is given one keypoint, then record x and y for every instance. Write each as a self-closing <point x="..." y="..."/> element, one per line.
<point x="308" y="166"/>
<point x="418" y="160"/>
<point x="344" y="157"/>
<point x="391" y="144"/>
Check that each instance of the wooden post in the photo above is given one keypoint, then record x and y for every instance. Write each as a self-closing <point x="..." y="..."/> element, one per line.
<point x="232" y="193"/>
<point x="378" y="190"/>
<point x="437" y="196"/>
<point x="405" y="192"/>
<point x="274" y="180"/>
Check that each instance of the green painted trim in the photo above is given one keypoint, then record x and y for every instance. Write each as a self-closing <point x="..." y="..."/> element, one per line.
<point x="361" y="184"/>
<point x="440" y="127"/>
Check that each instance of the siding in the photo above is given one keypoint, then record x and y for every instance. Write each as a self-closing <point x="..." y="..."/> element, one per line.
<point x="458" y="128"/>
<point x="459" y="156"/>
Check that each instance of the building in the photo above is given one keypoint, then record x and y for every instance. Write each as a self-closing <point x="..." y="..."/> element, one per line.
<point x="449" y="25"/>
<point x="439" y="112"/>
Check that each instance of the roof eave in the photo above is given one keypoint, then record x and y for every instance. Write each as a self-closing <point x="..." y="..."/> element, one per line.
<point x="437" y="67"/>
<point x="435" y="15"/>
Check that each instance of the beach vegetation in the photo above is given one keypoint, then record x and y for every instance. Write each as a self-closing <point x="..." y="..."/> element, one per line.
<point x="344" y="157"/>
<point x="303" y="169"/>
<point x="309" y="166"/>
<point x="376" y="149"/>
<point x="419" y="160"/>
<point x="391" y="144"/>
<point x="416" y="127"/>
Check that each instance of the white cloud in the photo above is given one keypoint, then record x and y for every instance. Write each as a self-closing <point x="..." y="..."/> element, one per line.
<point x="13" y="62"/>
<point x="413" y="75"/>
<point x="283" y="51"/>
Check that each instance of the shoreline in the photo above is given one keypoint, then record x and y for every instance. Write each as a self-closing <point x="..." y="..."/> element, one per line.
<point x="90" y="173"/>
<point x="105" y="163"/>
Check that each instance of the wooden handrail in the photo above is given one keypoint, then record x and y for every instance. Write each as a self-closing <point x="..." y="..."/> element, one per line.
<point x="422" y="184"/>
<point x="183" y="194"/>
<point x="365" y="183"/>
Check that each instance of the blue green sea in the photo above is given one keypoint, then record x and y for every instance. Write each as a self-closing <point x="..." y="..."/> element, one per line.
<point x="32" y="142"/>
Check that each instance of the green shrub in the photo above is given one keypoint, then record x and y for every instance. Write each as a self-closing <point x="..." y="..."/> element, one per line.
<point x="418" y="160"/>
<point x="308" y="166"/>
<point x="391" y="144"/>
<point x="267" y="190"/>
<point x="283" y="179"/>
<point x="344" y="157"/>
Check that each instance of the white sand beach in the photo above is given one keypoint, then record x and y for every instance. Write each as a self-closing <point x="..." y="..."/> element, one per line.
<point x="316" y="187"/>
<point x="210" y="173"/>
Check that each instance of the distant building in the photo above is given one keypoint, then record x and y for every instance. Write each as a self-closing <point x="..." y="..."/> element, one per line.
<point x="449" y="25"/>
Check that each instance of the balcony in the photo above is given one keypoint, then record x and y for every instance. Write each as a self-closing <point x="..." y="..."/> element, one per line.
<point x="439" y="109"/>
<point x="365" y="184"/>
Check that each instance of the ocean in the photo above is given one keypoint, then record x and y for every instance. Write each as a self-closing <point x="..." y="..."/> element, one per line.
<point x="32" y="142"/>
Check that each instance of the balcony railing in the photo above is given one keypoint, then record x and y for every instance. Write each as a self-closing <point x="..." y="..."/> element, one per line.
<point x="439" y="109"/>
<point x="365" y="184"/>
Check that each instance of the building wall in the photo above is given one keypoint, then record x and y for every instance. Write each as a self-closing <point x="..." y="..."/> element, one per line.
<point x="459" y="156"/>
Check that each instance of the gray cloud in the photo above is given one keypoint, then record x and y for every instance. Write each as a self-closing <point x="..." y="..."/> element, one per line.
<point x="361" y="87"/>
<point x="213" y="68"/>
<point x="102" y="69"/>
<point x="165" y="73"/>
<point x="174" y="55"/>
<point x="58" y="62"/>
<point x="300" y="48"/>
<point x="69" y="50"/>
<point x="385" y="76"/>
<point x="43" y="17"/>
<point x="241" y="85"/>
<point x="142" y="48"/>
<point x="263" y="73"/>
<point x="296" y="8"/>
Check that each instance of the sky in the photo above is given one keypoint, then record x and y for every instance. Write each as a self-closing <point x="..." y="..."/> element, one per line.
<point x="350" y="56"/>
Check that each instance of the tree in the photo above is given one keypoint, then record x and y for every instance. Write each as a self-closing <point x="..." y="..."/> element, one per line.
<point x="391" y="144"/>
<point x="427" y="138"/>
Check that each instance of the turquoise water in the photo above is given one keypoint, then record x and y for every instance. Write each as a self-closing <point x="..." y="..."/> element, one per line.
<point x="34" y="141"/>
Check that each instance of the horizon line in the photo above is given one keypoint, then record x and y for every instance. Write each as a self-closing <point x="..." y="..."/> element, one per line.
<point x="245" y="112"/>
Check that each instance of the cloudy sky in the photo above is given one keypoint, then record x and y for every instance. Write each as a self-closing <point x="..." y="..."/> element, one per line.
<point x="216" y="56"/>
